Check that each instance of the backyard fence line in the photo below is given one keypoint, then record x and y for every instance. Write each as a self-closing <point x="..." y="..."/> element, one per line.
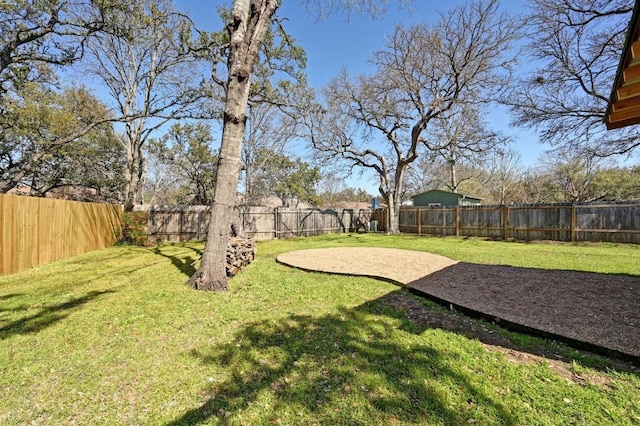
<point x="555" y="222"/>
<point x="184" y="223"/>
<point x="34" y="231"/>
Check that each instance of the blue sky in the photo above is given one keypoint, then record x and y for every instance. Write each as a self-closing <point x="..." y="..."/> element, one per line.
<point x="335" y="44"/>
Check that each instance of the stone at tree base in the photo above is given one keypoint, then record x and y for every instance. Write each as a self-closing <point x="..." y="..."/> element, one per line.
<point x="240" y="253"/>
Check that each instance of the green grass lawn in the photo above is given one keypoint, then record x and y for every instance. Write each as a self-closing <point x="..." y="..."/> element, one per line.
<point x="115" y="337"/>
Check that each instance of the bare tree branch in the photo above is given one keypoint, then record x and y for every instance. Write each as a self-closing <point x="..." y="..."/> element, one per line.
<point x="578" y="44"/>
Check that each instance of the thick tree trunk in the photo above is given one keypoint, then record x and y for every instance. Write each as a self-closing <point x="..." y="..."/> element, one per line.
<point x="394" y="216"/>
<point x="134" y="178"/>
<point x="212" y="274"/>
<point x="395" y="200"/>
<point x="453" y="176"/>
<point x="248" y="26"/>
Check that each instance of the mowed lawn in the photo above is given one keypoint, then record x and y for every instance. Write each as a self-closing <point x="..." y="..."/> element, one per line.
<point x="115" y="337"/>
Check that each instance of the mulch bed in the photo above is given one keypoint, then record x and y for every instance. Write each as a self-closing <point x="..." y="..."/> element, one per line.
<point x="596" y="312"/>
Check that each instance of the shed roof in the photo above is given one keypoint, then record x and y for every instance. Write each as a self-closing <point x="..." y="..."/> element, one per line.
<point x="624" y="103"/>
<point x="446" y="192"/>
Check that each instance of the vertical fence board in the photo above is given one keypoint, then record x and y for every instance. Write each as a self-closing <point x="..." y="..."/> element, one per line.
<point x="34" y="231"/>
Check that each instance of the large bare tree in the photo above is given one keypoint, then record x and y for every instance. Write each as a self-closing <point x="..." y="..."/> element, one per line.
<point x="380" y="121"/>
<point x="576" y="46"/>
<point x="143" y="65"/>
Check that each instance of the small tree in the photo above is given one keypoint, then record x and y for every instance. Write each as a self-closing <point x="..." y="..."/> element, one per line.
<point x="290" y="179"/>
<point x="186" y="149"/>
<point x="460" y="138"/>
<point x="571" y="175"/>
<point x="505" y="175"/>
<point x="269" y="131"/>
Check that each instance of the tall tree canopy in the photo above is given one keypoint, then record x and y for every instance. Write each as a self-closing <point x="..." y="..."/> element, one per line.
<point x="34" y="33"/>
<point x="143" y="66"/>
<point x="380" y="121"/>
<point x="38" y="118"/>
<point x="38" y="125"/>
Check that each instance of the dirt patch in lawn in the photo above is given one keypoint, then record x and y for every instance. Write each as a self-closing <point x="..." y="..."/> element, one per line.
<point x="400" y="266"/>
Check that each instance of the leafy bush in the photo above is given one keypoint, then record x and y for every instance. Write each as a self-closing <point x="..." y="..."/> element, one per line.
<point x="134" y="228"/>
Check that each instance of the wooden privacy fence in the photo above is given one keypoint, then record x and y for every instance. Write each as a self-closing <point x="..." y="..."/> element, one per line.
<point x="184" y="223"/>
<point x="34" y="231"/>
<point x="557" y="222"/>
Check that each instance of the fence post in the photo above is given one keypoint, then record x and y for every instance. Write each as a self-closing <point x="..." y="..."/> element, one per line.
<point x="505" y="222"/>
<point x="457" y="221"/>
<point x="275" y="223"/>
<point x="181" y="226"/>
<point x="150" y="221"/>
<point x="419" y="221"/>
<point x="574" y="223"/>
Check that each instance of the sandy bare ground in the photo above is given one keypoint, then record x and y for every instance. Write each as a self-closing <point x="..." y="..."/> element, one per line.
<point x="401" y="266"/>
<point x="597" y="312"/>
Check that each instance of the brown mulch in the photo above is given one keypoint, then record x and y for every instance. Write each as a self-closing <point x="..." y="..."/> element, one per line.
<point x="425" y="316"/>
<point x="597" y="312"/>
<point x="579" y="308"/>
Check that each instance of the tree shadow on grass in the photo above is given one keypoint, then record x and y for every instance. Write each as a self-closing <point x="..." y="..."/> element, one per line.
<point x="356" y="366"/>
<point x="184" y="263"/>
<point x="4" y="297"/>
<point x="518" y="348"/>
<point x="10" y="296"/>
<point x="47" y="316"/>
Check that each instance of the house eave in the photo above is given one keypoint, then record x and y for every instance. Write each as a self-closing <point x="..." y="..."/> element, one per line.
<point x="623" y="108"/>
